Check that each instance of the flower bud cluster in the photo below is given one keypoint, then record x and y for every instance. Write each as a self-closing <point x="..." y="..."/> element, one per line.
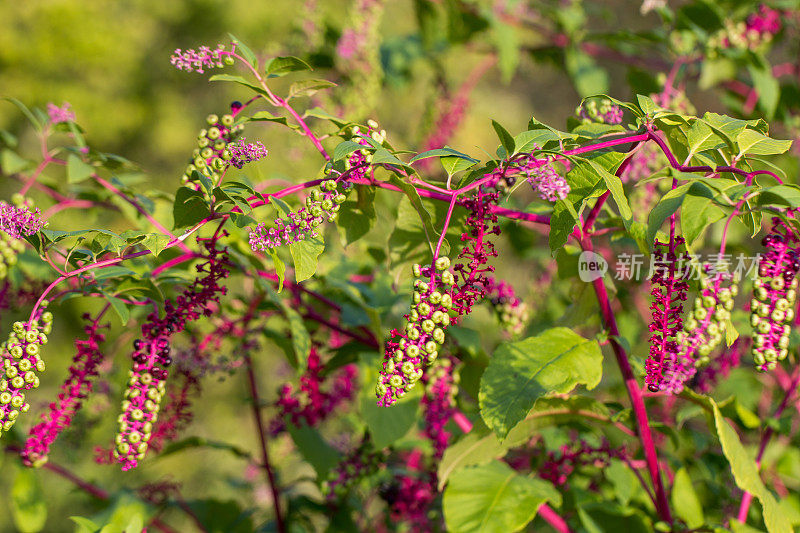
<point x="362" y="462"/>
<point x="202" y="58"/>
<point x="541" y="173"/>
<point x="21" y="356"/>
<point x="561" y="464"/>
<point x="152" y="356"/>
<point x="242" y="153"/>
<point x="213" y="153"/>
<point x="322" y="204"/>
<point x="60" y="114"/>
<point x="423" y="334"/>
<point x="77" y="386"/>
<point x="439" y="402"/>
<point x="313" y="402"/>
<point x="357" y="162"/>
<point x="602" y="111"/>
<point x="772" y="308"/>
<point x="510" y="310"/>
<point x="669" y="288"/>
<point x="19" y="219"/>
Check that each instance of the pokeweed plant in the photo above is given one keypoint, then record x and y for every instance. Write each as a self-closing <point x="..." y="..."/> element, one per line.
<point x="398" y="413"/>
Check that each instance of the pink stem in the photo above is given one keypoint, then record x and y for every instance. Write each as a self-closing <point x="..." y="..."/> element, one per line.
<point x="140" y="209"/>
<point x="747" y="498"/>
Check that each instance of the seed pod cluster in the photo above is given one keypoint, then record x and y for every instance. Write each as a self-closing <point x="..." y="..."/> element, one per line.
<point x="772" y="308"/>
<point x="21" y="355"/>
<point x="422" y="335"/>
<point x="211" y="155"/>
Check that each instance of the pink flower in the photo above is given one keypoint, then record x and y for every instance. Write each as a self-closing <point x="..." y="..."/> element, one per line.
<point x="60" y="114"/>
<point x="77" y="387"/>
<point x="19" y="221"/>
<point x="202" y="59"/>
<point x="243" y="153"/>
<point x="666" y="369"/>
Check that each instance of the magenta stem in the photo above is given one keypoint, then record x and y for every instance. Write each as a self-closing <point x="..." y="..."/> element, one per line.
<point x="747" y="498"/>
<point x="141" y="210"/>
<point x="634" y="393"/>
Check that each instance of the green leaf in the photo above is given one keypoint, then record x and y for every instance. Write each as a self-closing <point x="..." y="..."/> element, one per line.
<point x="301" y="340"/>
<point x="623" y="480"/>
<point x="155" y="242"/>
<point x="189" y="208"/>
<point x="646" y="104"/>
<point x="522" y="372"/>
<point x="305" y="255"/>
<point x="614" y="184"/>
<point x="279" y="66"/>
<point x="308" y="87"/>
<point x="244" y="51"/>
<point x="120" y="307"/>
<point x="494" y="498"/>
<point x="453" y="164"/>
<point x="666" y="206"/>
<point x="84" y="525"/>
<point x="11" y="163"/>
<point x="266" y="116"/>
<point x="28" y="507"/>
<point x="473" y="449"/>
<point x="388" y="424"/>
<point x="588" y="78"/>
<point x="685" y="501"/>
<point x="357" y="217"/>
<point x="767" y="86"/>
<point x="505" y="138"/>
<point x="280" y="267"/>
<point x="506" y="41"/>
<point x="416" y="202"/>
<point x="77" y="170"/>
<point x="345" y="148"/>
<point x="382" y="156"/>
<point x="240" y="80"/>
<point x="314" y="449"/>
<point x="698" y="212"/>
<point x="745" y="474"/>
<point x="442" y="152"/>
<point x="202" y="442"/>
<point x="701" y="137"/>
<point x="788" y="195"/>
<point x="752" y="142"/>
<point x="222" y="516"/>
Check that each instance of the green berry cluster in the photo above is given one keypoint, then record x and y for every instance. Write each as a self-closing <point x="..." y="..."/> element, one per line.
<point x="422" y="335"/>
<point x="211" y="155"/>
<point x="771" y="317"/>
<point x="21" y="355"/>
<point x="139" y="413"/>
<point x="705" y="326"/>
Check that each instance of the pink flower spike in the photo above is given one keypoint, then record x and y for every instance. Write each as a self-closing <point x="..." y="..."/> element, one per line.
<point x="19" y="222"/>
<point x="199" y="60"/>
<point x="60" y="114"/>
